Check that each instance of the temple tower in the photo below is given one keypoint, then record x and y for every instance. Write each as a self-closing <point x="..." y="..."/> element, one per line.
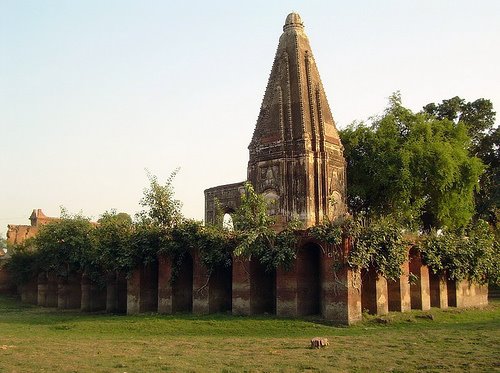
<point x="296" y="158"/>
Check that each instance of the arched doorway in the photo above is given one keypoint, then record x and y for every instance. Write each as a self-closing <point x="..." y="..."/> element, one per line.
<point x="227" y="222"/>
<point x="369" y="290"/>
<point x="220" y="289"/>
<point x="309" y="280"/>
<point x="182" y="288"/>
<point x="262" y="289"/>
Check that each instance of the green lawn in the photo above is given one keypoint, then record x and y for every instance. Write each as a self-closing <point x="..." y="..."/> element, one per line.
<point x="34" y="339"/>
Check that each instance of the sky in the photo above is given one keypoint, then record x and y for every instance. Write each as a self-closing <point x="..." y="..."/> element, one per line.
<point x="94" y="92"/>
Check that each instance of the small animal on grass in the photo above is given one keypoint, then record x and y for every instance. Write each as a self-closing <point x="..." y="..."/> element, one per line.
<point x="318" y="342"/>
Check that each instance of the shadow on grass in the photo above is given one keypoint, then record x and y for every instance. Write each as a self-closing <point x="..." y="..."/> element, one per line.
<point x="12" y="311"/>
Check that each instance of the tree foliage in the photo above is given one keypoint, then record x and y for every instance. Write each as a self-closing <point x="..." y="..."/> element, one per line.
<point x="256" y="237"/>
<point x="479" y="119"/>
<point x="472" y="254"/>
<point x="113" y="239"/>
<point x="159" y="203"/>
<point x="67" y="246"/>
<point x="411" y="166"/>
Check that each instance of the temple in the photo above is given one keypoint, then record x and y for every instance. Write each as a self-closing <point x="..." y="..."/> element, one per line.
<point x="296" y="162"/>
<point x="296" y="158"/>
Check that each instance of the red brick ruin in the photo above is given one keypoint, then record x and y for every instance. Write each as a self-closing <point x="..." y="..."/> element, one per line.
<point x="296" y="162"/>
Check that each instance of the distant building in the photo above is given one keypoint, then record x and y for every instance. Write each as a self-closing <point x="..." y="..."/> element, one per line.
<point x="17" y="234"/>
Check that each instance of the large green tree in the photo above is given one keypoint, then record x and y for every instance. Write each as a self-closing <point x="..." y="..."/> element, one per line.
<point x="479" y="119"/>
<point x="413" y="166"/>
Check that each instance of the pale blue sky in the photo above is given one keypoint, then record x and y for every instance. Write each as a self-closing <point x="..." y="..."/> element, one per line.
<point x="93" y="92"/>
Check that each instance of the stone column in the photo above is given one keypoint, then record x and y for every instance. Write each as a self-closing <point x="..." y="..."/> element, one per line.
<point x="164" y="286"/>
<point x="241" y="286"/>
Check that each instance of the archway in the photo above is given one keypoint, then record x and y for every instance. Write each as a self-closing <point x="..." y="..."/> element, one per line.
<point x="227" y="222"/>
<point x="220" y="290"/>
<point x="452" y="292"/>
<point x="149" y="288"/>
<point x="369" y="290"/>
<point x="182" y="288"/>
<point x="262" y="289"/>
<point x="309" y="280"/>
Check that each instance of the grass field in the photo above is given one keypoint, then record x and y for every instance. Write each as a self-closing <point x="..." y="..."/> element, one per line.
<point x="34" y="339"/>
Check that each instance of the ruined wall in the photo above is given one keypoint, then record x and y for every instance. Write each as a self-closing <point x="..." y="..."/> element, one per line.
<point x="17" y="234"/>
<point x="229" y="199"/>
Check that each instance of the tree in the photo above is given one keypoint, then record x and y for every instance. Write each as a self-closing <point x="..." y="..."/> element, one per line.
<point x="161" y="208"/>
<point x="412" y="166"/>
<point x="112" y="240"/>
<point x="479" y="119"/>
<point x="256" y="236"/>
<point x="67" y="246"/>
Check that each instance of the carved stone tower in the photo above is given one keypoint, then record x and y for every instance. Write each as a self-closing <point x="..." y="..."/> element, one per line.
<point x="296" y="158"/>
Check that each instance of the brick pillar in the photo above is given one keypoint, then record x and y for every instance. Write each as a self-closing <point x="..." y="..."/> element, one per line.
<point x="438" y="290"/>
<point x="200" y="285"/>
<point x="134" y="292"/>
<point x="374" y="292"/>
<point x="420" y="294"/>
<point x="341" y="287"/>
<point x="42" y="289"/>
<point x="241" y="286"/>
<point x="286" y="291"/>
<point x="164" y="286"/>
<point x="399" y="291"/>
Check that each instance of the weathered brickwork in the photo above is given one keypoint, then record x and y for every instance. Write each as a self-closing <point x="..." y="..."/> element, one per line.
<point x="17" y="234"/>
<point x="296" y="161"/>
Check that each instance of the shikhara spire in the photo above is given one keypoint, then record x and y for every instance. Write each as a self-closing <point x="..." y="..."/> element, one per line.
<point x="296" y="158"/>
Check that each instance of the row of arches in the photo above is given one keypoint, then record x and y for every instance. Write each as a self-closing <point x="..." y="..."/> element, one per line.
<point x="420" y="291"/>
<point x="264" y="287"/>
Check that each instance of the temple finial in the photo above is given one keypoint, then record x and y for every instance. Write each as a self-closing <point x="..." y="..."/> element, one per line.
<point x="293" y="20"/>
